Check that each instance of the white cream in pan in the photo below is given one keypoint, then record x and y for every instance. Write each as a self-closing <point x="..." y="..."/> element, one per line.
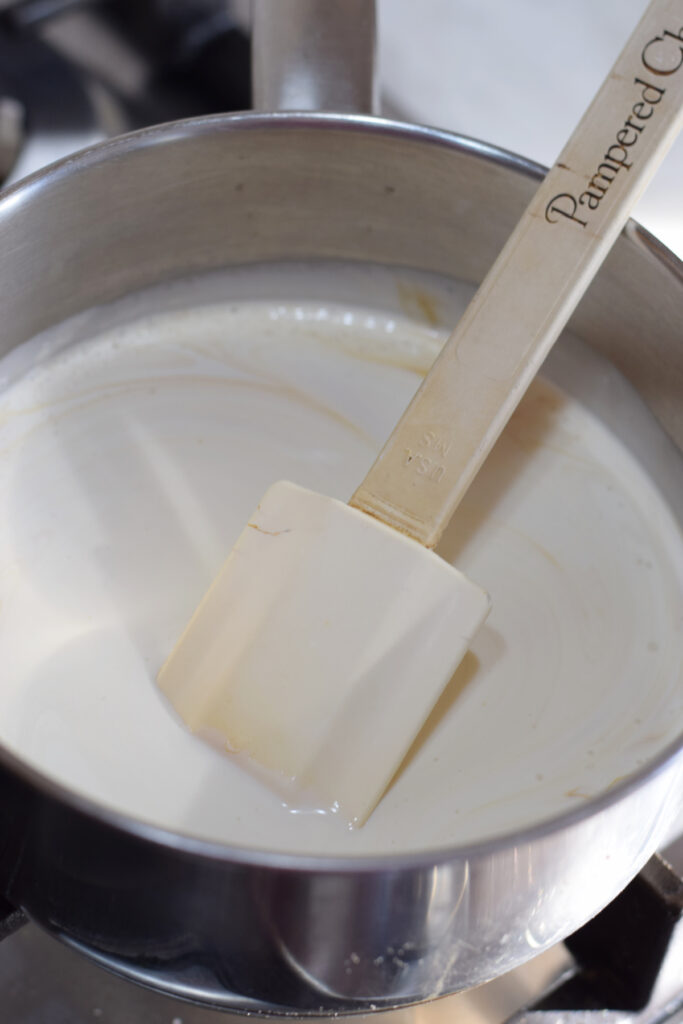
<point x="131" y="456"/>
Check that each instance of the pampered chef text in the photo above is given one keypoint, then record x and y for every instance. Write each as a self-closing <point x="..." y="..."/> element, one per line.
<point x="662" y="56"/>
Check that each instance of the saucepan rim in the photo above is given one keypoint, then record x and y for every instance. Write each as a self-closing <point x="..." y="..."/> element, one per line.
<point x="211" y="850"/>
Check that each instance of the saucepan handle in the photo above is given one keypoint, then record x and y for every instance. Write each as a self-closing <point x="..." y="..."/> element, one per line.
<point x="314" y="55"/>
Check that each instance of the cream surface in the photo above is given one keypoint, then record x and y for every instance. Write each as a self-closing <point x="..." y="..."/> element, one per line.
<point x="132" y="455"/>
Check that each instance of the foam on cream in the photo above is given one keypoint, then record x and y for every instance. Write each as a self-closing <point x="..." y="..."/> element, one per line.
<point x="131" y="456"/>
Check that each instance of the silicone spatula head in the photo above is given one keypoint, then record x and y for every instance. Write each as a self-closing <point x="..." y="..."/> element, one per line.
<point x="321" y="647"/>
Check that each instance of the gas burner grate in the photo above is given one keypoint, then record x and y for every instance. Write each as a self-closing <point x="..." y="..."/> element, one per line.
<point x="629" y="959"/>
<point x="74" y="72"/>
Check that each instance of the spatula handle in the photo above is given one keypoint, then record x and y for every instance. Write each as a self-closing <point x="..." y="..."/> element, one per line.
<point x="529" y="294"/>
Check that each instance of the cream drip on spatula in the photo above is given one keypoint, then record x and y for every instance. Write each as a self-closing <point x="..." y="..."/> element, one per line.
<point x="326" y="616"/>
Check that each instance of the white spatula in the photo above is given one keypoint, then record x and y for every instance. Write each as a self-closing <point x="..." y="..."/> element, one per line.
<point x="331" y="629"/>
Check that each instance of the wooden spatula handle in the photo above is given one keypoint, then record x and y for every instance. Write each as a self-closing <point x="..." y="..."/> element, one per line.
<point x="529" y="294"/>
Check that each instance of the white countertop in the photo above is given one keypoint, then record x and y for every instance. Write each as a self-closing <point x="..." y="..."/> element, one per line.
<point x="518" y="75"/>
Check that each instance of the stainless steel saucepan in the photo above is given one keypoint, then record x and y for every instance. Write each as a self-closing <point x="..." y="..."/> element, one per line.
<point x="257" y="931"/>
